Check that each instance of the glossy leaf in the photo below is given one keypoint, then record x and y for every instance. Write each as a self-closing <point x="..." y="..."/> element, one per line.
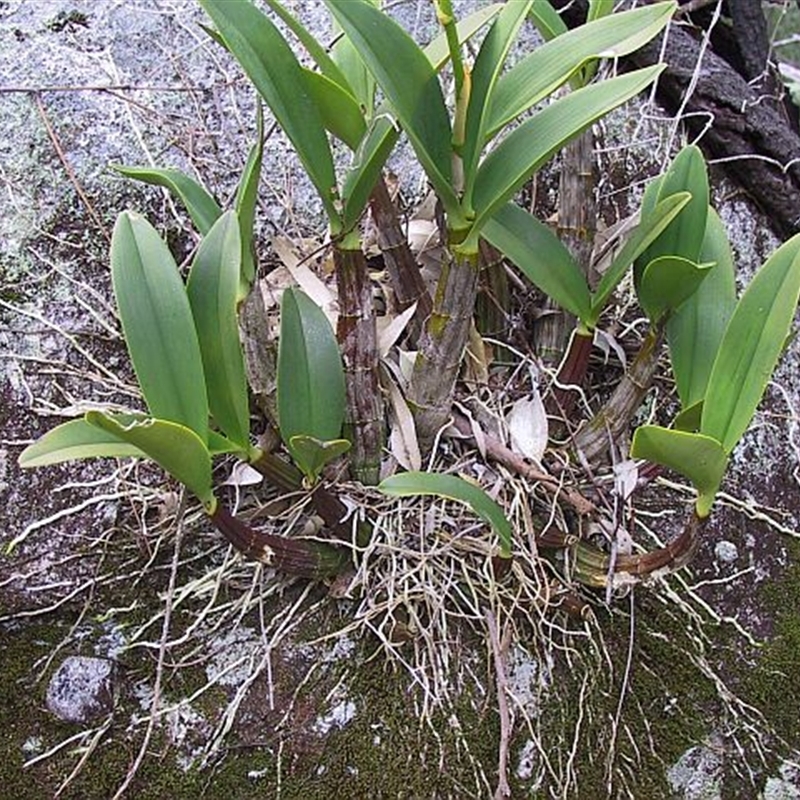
<point x="202" y="207"/>
<point x="158" y="324"/>
<point x="211" y="289"/>
<point x="451" y="487"/>
<point x="410" y="84"/>
<point x="73" y="440"/>
<point x="751" y="346"/>
<point x="340" y="111"/>
<point x="274" y="70"/>
<point x="246" y="199"/>
<point x="699" y="458"/>
<point x="533" y="143"/>
<point x="540" y="73"/>
<point x="327" y="65"/>
<point x="639" y="240"/>
<point x="541" y="256"/>
<point x="667" y="282"/>
<point x="683" y="237"/>
<point x="485" y="73"/>
<point x="311" y="393"/>
<point x="695" y="330"/>
<point x="175" y="448"/>
<point x="312" y="454"/>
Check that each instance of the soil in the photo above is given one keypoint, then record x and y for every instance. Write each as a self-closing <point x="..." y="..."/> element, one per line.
<point x="265" y="687"/>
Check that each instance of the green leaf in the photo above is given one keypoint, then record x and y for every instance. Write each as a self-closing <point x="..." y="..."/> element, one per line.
<point x="73" y="440"/>
<point x="202" y="207"/>
<point x="751" y="346"/>
<point x="311" y="390"/>
<point x="539" y="74"/>
<point x="639" y="240"/>
<point x="541" y="256"/>
<point x="667" y="282"/>
<point x="530" y="145"/>
<point x="326" y="64"/>
<point x="211" y="288"/>
<point x="547" y="21"/>
<point x="246" y="199"/>
<point x="689" y="419"/>
<point x="358" y="77"/>
<point x="158" y="325"/>
<point x="277" y="75"/>
<point x="486" y="71"/>
<point x="313" y="454"/>
<point x="683" y="237"/>
<point x="340" y="111"/>
<point x="438" y="51"/>
<point x="452" y="487"/>
<point x="410" y="84"/>
<point x="695" y="330"/>
<point x="176" y="449"/>
<point x="699" y="458"/>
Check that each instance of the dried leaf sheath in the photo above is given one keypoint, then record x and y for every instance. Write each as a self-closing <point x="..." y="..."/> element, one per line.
<point x="358" y="341"/>
<point x="442" y="344"/>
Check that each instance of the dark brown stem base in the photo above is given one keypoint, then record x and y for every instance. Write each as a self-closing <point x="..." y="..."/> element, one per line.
<point x="300" y="557"/>
<point x="572" y="372"/>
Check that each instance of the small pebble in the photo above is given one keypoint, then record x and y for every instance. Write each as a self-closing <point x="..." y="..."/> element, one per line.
<point x="726" y="552"/>
<point x="82" y="689"/>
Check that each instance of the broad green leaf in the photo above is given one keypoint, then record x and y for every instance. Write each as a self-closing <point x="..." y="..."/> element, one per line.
<point x="539" y="74"/>
<point x="451" y="487"/>
<point x="246" y="199"/>
<point x="327" y="65"/>
<point x="486" y="71"/>
<point x="175" y="448"/>
<point x="699" y="458"/>
<point x="599" y="9"/>
<point x="683" y="237"/>
<point x="547" y="21"/>
<point x="410" y="84"/>
<point x="530" y="145"/>
<point x="639" y="240"/>
<point x="202" y="207"/>
<point x="667" y="282"/>
<point x="312" y="454"/>
<point x="340" y="111"/>
<point x="541" y="256"/>
<point x="355" y="72"/>
<point x="211" y="288"/>
<point x="311" y="393"/>
<point x="277" y="75"/>
<point x="695" y="330"/>
<point x="689" y="419"/>
<point x="751" y="346"/>
<point x="73" y="440"/>
<point x="368" y="162"/>
<point x="158" y="325"/>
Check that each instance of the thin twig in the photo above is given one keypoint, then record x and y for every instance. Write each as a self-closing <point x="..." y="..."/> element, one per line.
<point x="499" y="650"/>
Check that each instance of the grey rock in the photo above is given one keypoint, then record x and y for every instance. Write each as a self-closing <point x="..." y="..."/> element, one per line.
<point x="82" y="689"/>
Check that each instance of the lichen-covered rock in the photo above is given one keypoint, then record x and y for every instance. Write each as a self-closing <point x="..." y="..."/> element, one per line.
<point x="82" y="689"/>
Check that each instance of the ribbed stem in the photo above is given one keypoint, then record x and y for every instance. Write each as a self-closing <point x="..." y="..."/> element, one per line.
<point x="301" y="557"/>
<point x="358" y="341"/>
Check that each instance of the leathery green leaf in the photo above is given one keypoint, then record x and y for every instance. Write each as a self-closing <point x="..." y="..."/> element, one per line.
<point x="699" y="458"/>
<point x="158" y="324"/>
<point x="311" y="389"/>
<point x="695" y="330"/>
<point x="751" y="346"/>
<point x="643" y="235"/>
<point x="202" y="207"/>
<point x="277" y="75"/>
<point x="246" y="198"/>
<point x="485" y="73"/>
<point x="358" y="77"/>
<point x="175" y="448"/>
<point x="683" y="237"/>
<point x="413" y="90"/>
<point x="547" y="21"/>
<point x="451" y="487"/>
<point x="530" y="145"/>
<point x="340" y="111"/>
<point x="211" y="288"/>
<point x="74" y="440"/>
<point x="667" y="282"/>
<point x="312" y="454"/>
<point x="541" y="72"/>
<point x="541" y="256"/>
